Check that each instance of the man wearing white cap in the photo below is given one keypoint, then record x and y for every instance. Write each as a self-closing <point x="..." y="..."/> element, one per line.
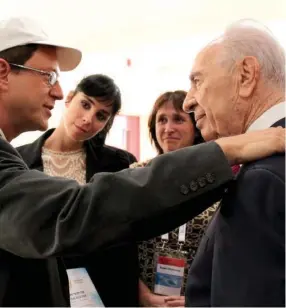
<point x="34" y="55"/>
<point x="43" y="218"/>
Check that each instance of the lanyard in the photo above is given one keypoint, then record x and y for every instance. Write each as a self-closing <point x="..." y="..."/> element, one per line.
<point x="181" y="237"/>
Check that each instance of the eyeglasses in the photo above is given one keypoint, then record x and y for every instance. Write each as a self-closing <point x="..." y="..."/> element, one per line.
<point x="53" y="76"/>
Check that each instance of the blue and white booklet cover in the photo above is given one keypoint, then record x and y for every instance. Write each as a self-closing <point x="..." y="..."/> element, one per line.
<point x="82" y="291"/>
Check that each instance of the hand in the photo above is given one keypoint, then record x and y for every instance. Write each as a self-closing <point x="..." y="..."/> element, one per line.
<point x="252" y="146"/>
<point x="140" y="164"/>
<point x="153" y="300"/>
<point x="175" y="301"/>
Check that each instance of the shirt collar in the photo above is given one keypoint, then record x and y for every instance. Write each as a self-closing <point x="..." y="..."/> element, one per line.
<point x="269" y="117"/>
<point x="2" y="135"/>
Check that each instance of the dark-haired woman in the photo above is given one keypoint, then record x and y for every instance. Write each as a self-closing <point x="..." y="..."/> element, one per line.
<point x="76" y="150"/>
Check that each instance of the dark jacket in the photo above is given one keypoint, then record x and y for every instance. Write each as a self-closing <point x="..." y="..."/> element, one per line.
<point x="114" y="271"/>
<point x="42" y="217"/>
<point x="241" y="259"/>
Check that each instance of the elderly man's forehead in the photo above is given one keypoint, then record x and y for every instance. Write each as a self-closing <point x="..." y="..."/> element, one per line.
<point x="207" y="56"/>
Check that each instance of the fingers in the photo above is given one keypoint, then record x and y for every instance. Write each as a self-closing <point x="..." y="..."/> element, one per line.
<point x="175" y="301"/>
<point x="281" y="135"/>
<point x="275" y="139"/>
<point x="173" y="297"/>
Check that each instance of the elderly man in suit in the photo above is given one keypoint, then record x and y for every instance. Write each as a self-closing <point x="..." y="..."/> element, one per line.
<point x="238" y="85"/>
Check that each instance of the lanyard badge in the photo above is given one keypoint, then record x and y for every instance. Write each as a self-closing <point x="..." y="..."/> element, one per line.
<point x="170" y="266"/>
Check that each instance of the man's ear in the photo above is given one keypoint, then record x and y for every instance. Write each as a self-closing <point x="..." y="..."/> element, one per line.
<point x="249" y="76"/>
<point x="69" y="98"/>
<point x="4" y="72"/>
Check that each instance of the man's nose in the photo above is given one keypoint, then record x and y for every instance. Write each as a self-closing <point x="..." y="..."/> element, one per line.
<point x="57" y="92"/>
<point x="189" y="103"/>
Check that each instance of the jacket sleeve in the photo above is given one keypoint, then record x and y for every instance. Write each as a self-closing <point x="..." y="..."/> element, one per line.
<point x="249" y="267"/>
<point x="126" y="157"/>
<point x="132" y="159"/>
<point x="42" y="216"/>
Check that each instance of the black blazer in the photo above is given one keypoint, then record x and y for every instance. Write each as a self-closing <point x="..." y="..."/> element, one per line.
<point x="43" y="217"/>
<point x="114" y="271"/>
<point x="241" y="259"/>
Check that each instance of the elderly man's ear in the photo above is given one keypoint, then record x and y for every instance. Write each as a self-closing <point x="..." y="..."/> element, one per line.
<point x="249" y="71"/>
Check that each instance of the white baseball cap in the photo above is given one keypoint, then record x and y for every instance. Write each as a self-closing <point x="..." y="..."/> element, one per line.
<point x="19" y="31"/>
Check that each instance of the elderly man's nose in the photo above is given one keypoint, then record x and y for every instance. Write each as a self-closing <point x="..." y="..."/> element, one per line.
<point x="188" y="105"/>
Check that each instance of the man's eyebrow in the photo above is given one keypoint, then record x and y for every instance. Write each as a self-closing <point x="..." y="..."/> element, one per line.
<point x="49" y="69"/>
<point x="194" y="74"/>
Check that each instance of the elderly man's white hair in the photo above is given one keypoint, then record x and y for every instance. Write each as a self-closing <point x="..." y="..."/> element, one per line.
<point x="249" y="38"/>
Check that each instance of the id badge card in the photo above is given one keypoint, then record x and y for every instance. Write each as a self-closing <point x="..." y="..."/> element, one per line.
<point x="169" y="275"/>
<point x="82" y="290"/>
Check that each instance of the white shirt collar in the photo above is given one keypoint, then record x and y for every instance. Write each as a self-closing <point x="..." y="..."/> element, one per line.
<point x="269" y="117"/>
<point x="2" y="135"/>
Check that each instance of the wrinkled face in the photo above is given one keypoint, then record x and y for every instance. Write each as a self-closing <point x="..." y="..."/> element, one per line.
<point x="30" y="98"/>
<point x="84" y="116"/>
<point x="174" y="128"/>
<point x="214" y="96"/>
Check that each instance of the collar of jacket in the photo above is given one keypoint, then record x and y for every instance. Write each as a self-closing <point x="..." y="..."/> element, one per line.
<point x="2" y="135"/>
<point x="280" y="122"/>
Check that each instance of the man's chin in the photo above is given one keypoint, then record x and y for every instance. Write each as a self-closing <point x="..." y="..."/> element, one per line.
<point x="209" y="135"/>
<point x="41" y="126"/>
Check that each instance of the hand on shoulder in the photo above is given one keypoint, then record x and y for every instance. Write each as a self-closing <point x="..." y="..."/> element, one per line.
<point x="139" y="164"/>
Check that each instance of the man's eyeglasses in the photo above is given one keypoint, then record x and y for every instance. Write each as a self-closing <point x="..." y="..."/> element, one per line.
<point x="52" y="76"/>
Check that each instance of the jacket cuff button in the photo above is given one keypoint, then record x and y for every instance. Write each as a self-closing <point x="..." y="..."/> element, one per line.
<point x="210" y="177"/>
<point x="184" y="189"/>
<point x="194" y="185"/>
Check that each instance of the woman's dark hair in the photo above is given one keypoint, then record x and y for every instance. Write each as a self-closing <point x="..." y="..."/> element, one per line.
<point x="177" y="98"/>
<point x="105" y="91"/>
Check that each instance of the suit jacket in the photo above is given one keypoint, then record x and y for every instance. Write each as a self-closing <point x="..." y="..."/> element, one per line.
<point x="109" y="264"/>
<point x="44" y="217"/>
<point x="241" y="259"/>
